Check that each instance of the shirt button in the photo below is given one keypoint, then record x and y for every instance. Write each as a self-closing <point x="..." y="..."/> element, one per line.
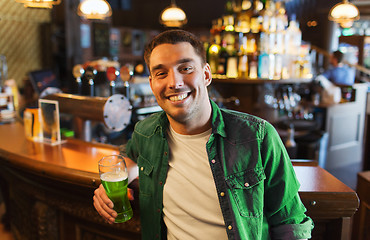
<point x="229" y="227"/>
<point x="142" y="168"/>
<point x="222" y="194"/>
<point x="213" y="161"/>
<point x="246" y="184"/>
<point x="165" y="153"/>
<point x="158" y="210"/>
<point x="160" y="183"/>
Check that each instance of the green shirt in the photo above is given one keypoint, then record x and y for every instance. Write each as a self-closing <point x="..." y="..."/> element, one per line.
<point x="255" y="180"/>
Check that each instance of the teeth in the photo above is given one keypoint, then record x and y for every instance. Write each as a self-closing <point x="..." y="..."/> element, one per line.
<point x="178" y="97"/>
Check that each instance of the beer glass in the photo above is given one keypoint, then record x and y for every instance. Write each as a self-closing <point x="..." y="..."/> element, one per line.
<point x="114" y="177"/>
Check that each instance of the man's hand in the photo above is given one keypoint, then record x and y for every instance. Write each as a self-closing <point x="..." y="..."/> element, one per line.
<point x="104" y="205"/>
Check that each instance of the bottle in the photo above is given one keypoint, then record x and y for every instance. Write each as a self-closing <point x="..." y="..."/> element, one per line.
<point x="251" y="43"/>
<point x="281" y="17"/>
<point x="232" y="59"/>
<point x="232" y="65"/>
<point x="293" y="37"/>
<point x="271" y="66"/>
<point x="281" y="24"/>
<point x="227" y="45"/>
<point x="253" y="66"/>
<point x="213" y="52"/>
<point x="243" y="19"/>
<point x="222" y="59"/>
<point x="263" y="65"/>
<point x="243" y="58"/>
<point x="278" y="66"/>
<point x="256" y="18"/>
<point x="269" y="18"/>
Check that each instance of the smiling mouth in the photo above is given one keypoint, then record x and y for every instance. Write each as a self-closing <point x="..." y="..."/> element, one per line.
<point x="179" y="97"/>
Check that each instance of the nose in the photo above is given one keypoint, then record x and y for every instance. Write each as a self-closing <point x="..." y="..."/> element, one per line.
<point x="175" y="80"/>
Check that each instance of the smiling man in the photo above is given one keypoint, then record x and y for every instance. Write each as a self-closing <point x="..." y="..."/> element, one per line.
<point x="179" y="80"/>
<point x="206" y="172"/>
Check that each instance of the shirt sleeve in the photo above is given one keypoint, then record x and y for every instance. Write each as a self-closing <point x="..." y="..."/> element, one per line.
<point x="284" y="209"/>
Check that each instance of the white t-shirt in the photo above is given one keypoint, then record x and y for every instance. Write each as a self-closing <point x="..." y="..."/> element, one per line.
<point x="191" y="206"/>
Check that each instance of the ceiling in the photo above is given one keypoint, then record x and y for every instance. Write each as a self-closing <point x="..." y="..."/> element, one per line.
<point x="145" y="13"/>
<point x="200" y="13"/>
<point x="364" y="8"/>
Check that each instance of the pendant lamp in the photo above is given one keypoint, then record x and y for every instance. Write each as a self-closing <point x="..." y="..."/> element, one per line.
<point x="173" y="16"/>
<point x="39" y="3"/>
<point x="94" y="9"/>
<point x="344" y="13"/>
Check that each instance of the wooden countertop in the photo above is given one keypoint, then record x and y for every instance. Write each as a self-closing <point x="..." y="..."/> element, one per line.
<point x="316" y="179"/>
<point x="76" y="161"/>
<point x="73" y="161"/>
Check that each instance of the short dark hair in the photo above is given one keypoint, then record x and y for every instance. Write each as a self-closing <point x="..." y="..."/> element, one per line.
<point x="338" y="55"/>
<point x="173" y="37"/>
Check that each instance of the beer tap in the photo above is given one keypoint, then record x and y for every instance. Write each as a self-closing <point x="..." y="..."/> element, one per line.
<point x="77" y="72"/>
<point x="126" y="75"/>
<point x="112" y="74"/>
<point x="90" y="73"/>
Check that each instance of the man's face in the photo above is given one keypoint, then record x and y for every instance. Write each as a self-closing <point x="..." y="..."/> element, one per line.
<point x="179" y="81"/>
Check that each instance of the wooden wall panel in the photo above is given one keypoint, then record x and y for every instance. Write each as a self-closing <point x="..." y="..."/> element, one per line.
<point x="20" y="38"/>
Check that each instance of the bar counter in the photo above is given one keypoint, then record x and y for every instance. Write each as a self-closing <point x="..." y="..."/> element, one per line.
<point x="48" y="192"/>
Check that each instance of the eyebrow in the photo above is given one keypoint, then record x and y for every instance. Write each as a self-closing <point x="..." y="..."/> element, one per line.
<point x="183" y="60"/>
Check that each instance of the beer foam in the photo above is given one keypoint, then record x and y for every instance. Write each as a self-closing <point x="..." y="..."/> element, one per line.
<point x="114" y="176"/>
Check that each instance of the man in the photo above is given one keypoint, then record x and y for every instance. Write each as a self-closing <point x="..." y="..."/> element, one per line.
<point x="340" y="73"/>
<point x="206" y="172"/>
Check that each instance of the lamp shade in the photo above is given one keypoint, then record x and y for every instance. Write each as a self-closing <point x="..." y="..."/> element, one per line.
<point x="173" y="16"/>
<point x="94" y="9"/>
<point x="344" y="13"/>
<point x="39" y="3"/>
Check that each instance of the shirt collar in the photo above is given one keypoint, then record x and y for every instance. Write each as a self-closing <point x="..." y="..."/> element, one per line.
<point x="218" y="125"/>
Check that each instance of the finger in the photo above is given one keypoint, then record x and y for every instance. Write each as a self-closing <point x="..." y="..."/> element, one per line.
<point x="102" y="206"/>
<point x="102" y="212"/>
<point x="104" y="197"/>
<point x="107" y="218"/>
<point x="105" y="202"/>
<point x="130" y="194"/>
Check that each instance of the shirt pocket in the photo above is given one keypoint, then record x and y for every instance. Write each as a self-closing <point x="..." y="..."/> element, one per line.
<point x="247" y="189"/>
<point x="145" y="176"/>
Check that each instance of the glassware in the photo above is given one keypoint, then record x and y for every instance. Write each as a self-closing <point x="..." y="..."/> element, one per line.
<point x="114" y="177"/>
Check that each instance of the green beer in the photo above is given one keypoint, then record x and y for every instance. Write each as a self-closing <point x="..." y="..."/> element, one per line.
<point x="115" y="184"/>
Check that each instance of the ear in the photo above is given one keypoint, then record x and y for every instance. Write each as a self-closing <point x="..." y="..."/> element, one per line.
<point x="150" y="82"/>
<point x="207" y="74"/>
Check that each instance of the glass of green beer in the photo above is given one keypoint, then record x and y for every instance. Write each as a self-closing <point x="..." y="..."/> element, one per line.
<point x="114" y="177"/>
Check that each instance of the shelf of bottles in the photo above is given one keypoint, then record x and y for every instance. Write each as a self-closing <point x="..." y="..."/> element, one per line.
<point x="255" y="41"/>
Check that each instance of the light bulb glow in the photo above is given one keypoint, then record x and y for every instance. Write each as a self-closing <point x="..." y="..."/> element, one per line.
<point x="94" y="9"/>
<point x="345" y="10"/>
<point x="214" y="49"/>
<point x="344" y="14"/>
<point x="173" y="16"/>
<point x="39" y="3"/>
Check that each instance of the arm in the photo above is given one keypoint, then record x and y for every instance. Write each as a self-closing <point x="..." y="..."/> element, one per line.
<point x="284" y="209"/>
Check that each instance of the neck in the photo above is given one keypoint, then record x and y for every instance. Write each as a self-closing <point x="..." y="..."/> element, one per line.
<point x="195" y="125"/>
<point x="190" y="129"/>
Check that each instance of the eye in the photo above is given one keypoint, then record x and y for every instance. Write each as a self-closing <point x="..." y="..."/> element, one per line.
<point x="186" y="69"/>
<point x="160" y="74"/>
